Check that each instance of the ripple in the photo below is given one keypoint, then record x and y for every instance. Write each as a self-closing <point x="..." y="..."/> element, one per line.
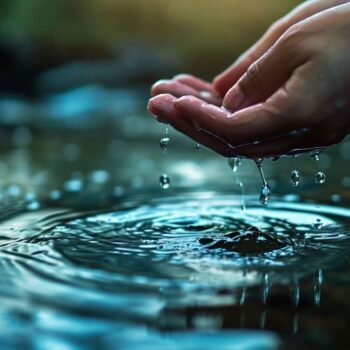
<point x="140" y="255"/>
<point x="169" y="239"/>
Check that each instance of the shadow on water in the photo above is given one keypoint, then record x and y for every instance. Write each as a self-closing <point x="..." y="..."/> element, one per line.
<point x="175" y="272"/>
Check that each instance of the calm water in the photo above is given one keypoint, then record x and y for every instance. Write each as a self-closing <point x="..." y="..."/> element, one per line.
<point x="184" y="271"/>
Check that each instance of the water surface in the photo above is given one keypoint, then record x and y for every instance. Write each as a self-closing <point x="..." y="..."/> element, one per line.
<point x="184" y="271"/>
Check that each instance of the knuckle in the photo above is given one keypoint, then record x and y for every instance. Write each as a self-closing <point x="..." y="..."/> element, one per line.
<point x="292" y="37"/>
<point x="252" y="78"/>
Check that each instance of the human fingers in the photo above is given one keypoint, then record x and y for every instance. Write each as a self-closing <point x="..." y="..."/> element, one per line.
<point x="293" y="144"/>
<point x="162" y="106"/>
<point x="194" y="82"/>
<point x="183" y="87"/>
<point x="257" y="123"/>
<point x="225" y="80"/>
<point x="268" y="73"/>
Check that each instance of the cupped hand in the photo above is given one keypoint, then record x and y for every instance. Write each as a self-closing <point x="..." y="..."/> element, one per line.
<point x="291" y="99"/>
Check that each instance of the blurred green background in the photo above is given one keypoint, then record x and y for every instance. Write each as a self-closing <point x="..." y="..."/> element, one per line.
<point x="199" y="36"/>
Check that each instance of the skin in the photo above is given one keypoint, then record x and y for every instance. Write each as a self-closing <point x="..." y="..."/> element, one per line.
<point x="287" y="94"/>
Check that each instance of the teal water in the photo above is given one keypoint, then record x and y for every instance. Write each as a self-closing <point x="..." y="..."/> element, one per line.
<point x="179" y="271"/>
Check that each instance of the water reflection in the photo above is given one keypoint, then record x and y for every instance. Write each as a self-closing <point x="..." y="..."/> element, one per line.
<point x="176" y="264"/>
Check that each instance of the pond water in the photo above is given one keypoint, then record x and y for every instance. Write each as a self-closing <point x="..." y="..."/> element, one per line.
<point x="94" y="254"/>
<point x="175" y="272"/>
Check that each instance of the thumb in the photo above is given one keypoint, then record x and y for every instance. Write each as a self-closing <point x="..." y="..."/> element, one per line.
<point x="231" y="75"/>
<point x="266" y="75"/>
<point x="225" y="80"/>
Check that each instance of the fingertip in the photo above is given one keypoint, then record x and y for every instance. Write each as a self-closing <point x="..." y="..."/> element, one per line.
<point x="234" y="99"/>
<point x="157" y="88"/>
<point x="161" y="104"/>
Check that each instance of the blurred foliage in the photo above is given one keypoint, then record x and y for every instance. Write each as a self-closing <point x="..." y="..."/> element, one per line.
<point x="204" y="33"/>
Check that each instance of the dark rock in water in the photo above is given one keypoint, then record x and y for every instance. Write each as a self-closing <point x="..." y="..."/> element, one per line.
<point x="206" y="241"/>
<point x="249" y="242"/>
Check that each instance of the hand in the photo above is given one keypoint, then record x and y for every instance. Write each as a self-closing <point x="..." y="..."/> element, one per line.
<point x="224" y="81"/>
<point x="184" y="84"/>
<point x="284" y="102"/>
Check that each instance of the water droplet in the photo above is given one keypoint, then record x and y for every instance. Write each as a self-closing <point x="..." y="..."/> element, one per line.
<point x="295" y="178"/>
<point x="265" y="194"/>
<point x="234" y="163"/>
<point x="266" y="287"/>
<point x="164" y="143"/>
<point x="320" y="178"/>
<point x="198" y="146"/>
<point x="164" y="181"/>
<point x="296" y="292"/>
<point x="318" y="287"/>
<point x="316" y="155"/>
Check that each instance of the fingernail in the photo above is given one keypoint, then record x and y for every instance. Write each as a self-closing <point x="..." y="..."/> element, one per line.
<point x="234" y="99"/>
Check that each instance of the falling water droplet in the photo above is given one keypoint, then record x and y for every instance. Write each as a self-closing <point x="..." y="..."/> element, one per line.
<point x="318" y="286"/>
<point x="164" y="143"/>
<point x="295" y="178"/>
<point x="164" y="181"/>
<point x="296" y="292"/>
<point x="198" y="146"/>
<point x="316" y="155"/>
<point x="234" y="163"/>
<point x="265" y="193"/>
<point x="241" y="188"/>
<point x="266" y="287"/>
<point x="244" y="290"/>
<point x="320" y="178"/>
<point x="167" y="130"/>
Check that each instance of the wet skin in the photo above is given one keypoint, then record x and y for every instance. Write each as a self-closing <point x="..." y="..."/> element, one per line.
<point x="289" y="93"/>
